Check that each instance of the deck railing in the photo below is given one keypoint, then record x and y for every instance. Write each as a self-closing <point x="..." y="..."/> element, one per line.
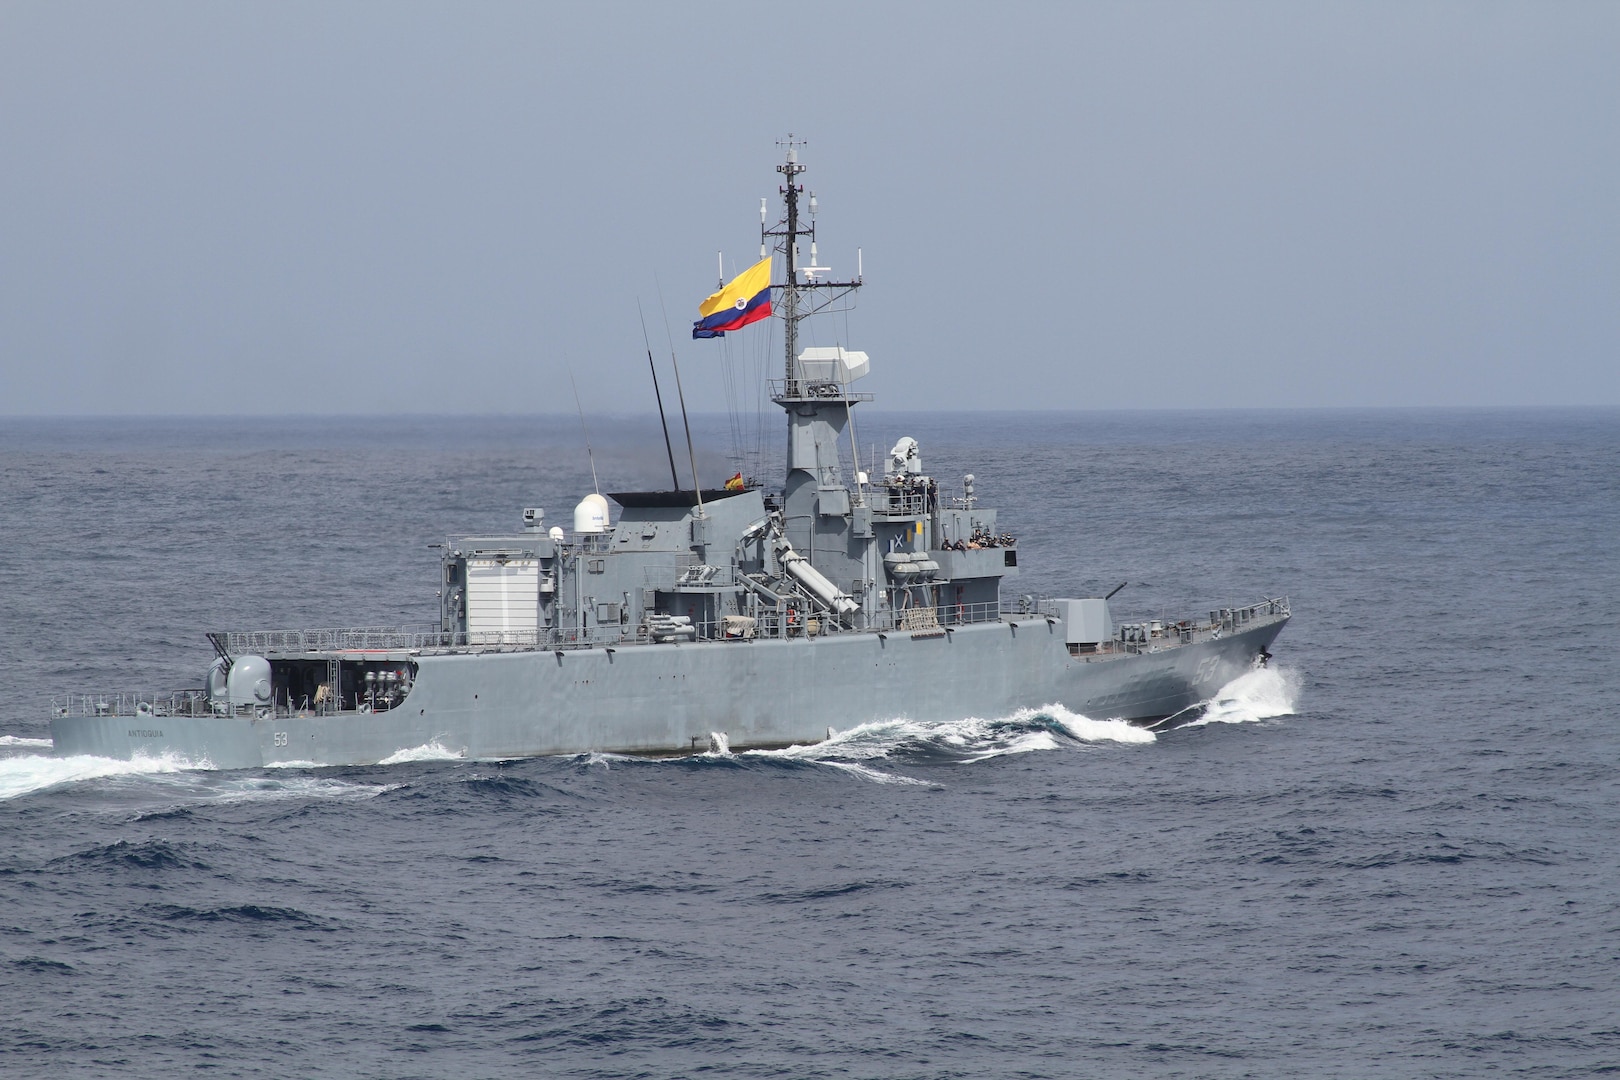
<point x="136" y="703"/>
<point x="141" y="705"/>
<point x="892" y="503"/>
<point x="406" y="639"/>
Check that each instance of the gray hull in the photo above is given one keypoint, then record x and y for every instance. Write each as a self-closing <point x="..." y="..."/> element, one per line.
<point x="666" y="699"/>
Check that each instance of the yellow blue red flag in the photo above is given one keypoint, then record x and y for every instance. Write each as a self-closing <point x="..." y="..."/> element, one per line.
<point x="745" y="298"/>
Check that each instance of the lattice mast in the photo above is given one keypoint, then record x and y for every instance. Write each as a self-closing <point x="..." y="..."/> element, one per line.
<point x="787" y="232"/>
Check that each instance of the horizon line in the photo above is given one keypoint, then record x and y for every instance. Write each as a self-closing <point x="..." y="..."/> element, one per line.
<point x="192" y="417"/>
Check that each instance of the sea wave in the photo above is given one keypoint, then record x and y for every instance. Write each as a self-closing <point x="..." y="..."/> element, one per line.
<point x="25" y="774"/>
<point x="904" y="741"/>
<point x="22" y="740"/>
<point x="432" y="750"/>
<point x="1262" y="694"/>
<point x="174" y="779"/>
<point x="876" y="776"/>
<point x="247" y="787"/>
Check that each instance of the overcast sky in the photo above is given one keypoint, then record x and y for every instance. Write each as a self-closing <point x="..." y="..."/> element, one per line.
<point x="273" y="208"/>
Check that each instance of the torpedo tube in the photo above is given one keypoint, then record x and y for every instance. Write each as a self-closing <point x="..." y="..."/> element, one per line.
<point x="800" y="569"/>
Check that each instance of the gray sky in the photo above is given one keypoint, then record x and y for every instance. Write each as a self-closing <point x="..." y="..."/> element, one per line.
<point x="361" y="208"/>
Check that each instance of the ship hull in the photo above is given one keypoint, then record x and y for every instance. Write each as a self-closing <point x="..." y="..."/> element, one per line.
<point x="670" y="699"/>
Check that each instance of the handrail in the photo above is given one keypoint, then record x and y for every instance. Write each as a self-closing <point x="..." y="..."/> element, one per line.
<point x="883" y="501"/>
<point x="144" y="705"/>
<point x="812" y="388"/>
<point x="135" y="703"/>
<point x="407" y="639"/>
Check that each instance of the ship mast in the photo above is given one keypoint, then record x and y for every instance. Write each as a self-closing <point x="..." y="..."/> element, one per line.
<point x="817" y="509"/>
<point x="791" y="291"/>
<point x="790" y="288"/>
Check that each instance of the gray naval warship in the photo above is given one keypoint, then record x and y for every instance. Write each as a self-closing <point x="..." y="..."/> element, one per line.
<point x="733" y="617"/>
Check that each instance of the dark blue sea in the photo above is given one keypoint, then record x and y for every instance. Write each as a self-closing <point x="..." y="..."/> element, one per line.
<point x="1394" y="853"/>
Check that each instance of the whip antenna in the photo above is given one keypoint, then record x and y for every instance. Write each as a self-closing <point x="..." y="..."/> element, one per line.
<point x="674" y="481"/>
<point x="697" y="488"/>
<point x="582" y="432"/>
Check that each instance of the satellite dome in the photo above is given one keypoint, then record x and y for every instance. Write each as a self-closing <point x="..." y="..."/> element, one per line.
<point x="591" y="515"/>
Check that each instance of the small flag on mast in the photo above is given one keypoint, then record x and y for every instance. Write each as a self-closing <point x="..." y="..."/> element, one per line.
<point x="744" y="299"/>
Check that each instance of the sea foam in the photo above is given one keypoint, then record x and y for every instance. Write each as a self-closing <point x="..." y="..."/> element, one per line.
<point x="25" y="774"/>
<point x="1261" y="694"/>
<point x="432" y="750"/>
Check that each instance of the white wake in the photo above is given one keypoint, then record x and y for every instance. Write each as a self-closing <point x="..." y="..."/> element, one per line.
<point x="25" y="774"/>
<point x="169" y="779"/>
<point x="1262" y="694"/>
<point x="432" y="750"/>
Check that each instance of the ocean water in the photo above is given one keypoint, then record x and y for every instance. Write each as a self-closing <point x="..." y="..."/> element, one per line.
<point x="1394" y="853"/>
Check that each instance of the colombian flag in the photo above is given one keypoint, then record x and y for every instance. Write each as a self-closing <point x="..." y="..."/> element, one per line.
<point x="745" y="299"/>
